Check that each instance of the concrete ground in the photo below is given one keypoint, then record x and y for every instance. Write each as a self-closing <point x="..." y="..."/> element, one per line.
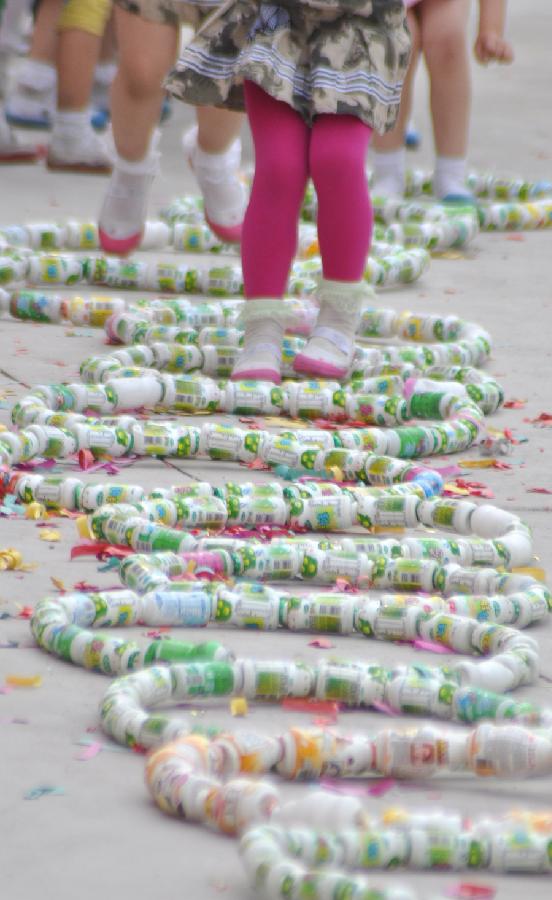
<point x="101" y="835"/>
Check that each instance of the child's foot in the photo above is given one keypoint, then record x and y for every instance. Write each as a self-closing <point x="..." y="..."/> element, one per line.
<point x="123" y="213"/>
<point x="389" y="174"/>
<point x="261" y="356"/>
<point x="224" y="195"/>
<point x="75" y="147"/>
<point x="450" y="181"/>
<point x="11" y="149"/>
<point x="329" y="352"/>
<point x="32" y="101"/>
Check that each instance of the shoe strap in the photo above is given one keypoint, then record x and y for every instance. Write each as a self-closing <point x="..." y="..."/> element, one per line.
<point x="263" y="347"/>
<point x="337" y="338"/>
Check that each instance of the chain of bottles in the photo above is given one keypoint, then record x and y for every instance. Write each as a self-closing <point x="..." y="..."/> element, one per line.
<point x="456" y="591"/>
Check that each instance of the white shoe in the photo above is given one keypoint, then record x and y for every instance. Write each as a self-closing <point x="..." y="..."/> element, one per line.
<point x="124" y="209"/>
<point x="11" y="148"/>
<point x="28" y="107"/>
<point x="218" y="177"/>
<point x="78" y="150"/>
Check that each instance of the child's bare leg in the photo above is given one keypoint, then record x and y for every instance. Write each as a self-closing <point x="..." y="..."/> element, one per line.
<point x="31" y="101"/>
<point x="213" y="149"/>
<point x="146" y="53"/>
<point x="217" y="128"/>
<point x="443" y="28"/>
<point x="389" y="156"/>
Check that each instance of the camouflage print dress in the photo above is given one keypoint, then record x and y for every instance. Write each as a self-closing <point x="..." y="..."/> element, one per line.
<point x="319" y="56"/>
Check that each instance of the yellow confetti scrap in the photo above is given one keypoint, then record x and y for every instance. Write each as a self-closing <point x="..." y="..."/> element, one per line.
<point x="50" y="534"/>
<point x="83" y="528"/>
<point x="58" y="583"/>
<point x="10" y="559"/>
<point x="35" y="511"/>
<point x="24" y="680"/>
<point x="454" y="489"/>
<point x="285" y="423"/>
<point x="238" y="706"/>
<point x="448" y="254"/>
<point x="534" y="571"/>
<point x="487" y="463"/>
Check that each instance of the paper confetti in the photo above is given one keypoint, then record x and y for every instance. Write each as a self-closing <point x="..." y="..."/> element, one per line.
<point x="238" y="706"/>
<point x="35" y="510"/>
<point x="50" y="534"/>
<point x="515" y="404"/>
<point x="296" y="704"/>
<point x="89" y="752"/>
<point x="467" y="889"/>
<point x="321" y="643"/>
<point x="10" y="559"/>
<point x="58" y="584"/>
<point x="24" y="680"/>
<point x="42" y="791"/>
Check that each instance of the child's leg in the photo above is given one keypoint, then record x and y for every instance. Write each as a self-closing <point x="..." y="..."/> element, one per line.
<point x="443" y="28"/>
<point x="389" y="156"/>
<point x="213" y="148"/>
<point x="338" y="149"/>
<point x="269" y="240"/>
<point x="74" y="145"/>
<point x="146" y="52"/>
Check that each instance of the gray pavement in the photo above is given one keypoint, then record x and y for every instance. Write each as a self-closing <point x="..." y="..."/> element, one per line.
<point x="102" y="836"/>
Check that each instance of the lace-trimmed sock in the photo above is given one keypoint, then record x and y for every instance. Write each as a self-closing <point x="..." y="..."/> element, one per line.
<point x="261" y="356"/>
<point x="329" y="352"/>
<point x="124" y="209"/>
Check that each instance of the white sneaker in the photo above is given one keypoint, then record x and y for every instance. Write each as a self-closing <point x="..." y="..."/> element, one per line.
<point x="124" y="209"/>
<point x="218" y="177"/>
<point x="11" y="148"/>
<point x="28" y="107"/>
<point x="78" y="150"/>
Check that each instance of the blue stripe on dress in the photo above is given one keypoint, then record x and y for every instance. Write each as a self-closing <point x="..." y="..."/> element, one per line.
<point x="209" y="66"/>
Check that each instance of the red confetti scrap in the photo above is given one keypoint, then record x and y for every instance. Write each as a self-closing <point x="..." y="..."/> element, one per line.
<point x="325" y="707"/>
<point x="515" y="237"/>
<point x="86" y="459"/>
<point x="474" y="488"/>
<point x="99" y="549"/>
<point x="85" y="586"/>
<point x="257" y="465"/>
<point x="543" y="418"/>
<point x="381" y="787"/>
<point x="538" y="490"/>
<point x="465" y="890"/>
<point x="324" y="721"/>
<point x="514" y="404"/>
<point x="25" y="612"/>
<point x="321" y="643"/>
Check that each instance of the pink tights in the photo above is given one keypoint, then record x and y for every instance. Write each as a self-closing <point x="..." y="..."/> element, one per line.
<point x="333" y="152"/>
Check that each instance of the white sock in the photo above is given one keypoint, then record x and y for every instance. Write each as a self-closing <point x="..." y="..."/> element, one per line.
<point x="10" y="26"/>
<point x="262" y="341"/>
<point x="125" y="205"/>
<point x="67" y="122"/>
<point x="104" y="73"/>
<point x="37" y="76"/>
<point x="333" y="339"/>
<point x="389" y="174"/>
<point x="218" y="178"/>
<point x="450" y="176"/>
